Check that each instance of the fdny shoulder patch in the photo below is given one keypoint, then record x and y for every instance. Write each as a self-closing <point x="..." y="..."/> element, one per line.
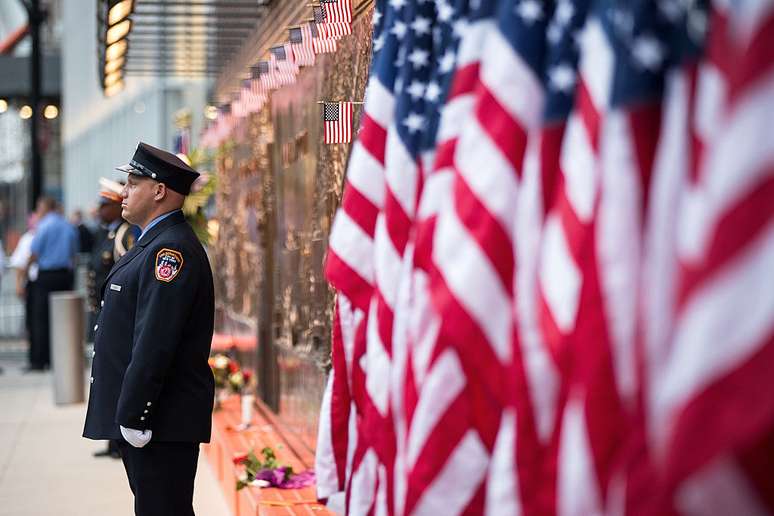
<point x="169" y="263"/>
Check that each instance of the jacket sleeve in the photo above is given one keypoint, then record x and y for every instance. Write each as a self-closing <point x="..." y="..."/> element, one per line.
<point x="167" y="289"/>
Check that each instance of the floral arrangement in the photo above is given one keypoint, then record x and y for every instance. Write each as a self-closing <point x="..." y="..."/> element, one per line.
<point x="222" y="368"/>
<point x="230" y="377"/>
<point x="240" y="381"/>
<point x="269" y="472"/>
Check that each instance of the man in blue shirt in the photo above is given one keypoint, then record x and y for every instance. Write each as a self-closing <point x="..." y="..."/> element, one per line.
<point x="53" y="249"/>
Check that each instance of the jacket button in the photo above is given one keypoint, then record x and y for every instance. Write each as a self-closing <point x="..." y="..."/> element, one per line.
<point x="142" y="418"/>
<point x="149" y="403"/>
<point x="96" y="326"/>
<point x="91" y="380"/>
<point x="102" y="303"/>
<point x="145" y="411"/>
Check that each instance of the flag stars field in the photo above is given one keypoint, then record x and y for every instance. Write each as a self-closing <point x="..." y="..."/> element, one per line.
<point x="529" y="10"/>
<point x="447" y="61"/>
<point x="445" y="11"/>
<point x="399" y="30"/>
<point x="416" y="89"/>
<point x="419" y="58"/>
<point x="433" y="92"/>
<point x="562" y="78"/>
<point x="648" y="53"/>
<point x="421" y="26"/>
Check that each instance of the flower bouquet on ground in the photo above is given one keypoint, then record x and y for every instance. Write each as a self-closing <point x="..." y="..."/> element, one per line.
<point x="269" y="473"/>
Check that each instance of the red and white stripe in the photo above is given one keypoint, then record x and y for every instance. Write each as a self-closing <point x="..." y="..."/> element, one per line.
<point x="337" y="11"/>
<point x="334" y="30"/>
<point x="590" y="339"/>
<point x="259" y="94"/>
<point x="474" y="238"/>
<point x="284" y="70"/>
<point x="338" y="415"/>
<point x="439" y="455"/>
<point x="710" y="350"/>
<point x="304" y="53"/>
<point x="269" y="79"/>
<point x="351" y="269"/>
<point x="324" y="45"/>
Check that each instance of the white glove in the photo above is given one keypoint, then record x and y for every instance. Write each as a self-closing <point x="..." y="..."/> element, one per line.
<point x="137" y="438"/>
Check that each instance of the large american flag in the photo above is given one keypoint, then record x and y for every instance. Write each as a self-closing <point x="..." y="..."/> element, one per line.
<point x="552" y="262"/>
<point x="710" y="331"/>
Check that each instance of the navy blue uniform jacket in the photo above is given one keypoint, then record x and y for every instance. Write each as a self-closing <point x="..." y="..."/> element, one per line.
<point x="153" y="339"/>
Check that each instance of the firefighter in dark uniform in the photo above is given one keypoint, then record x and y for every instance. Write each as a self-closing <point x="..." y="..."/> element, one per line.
<point x="151" y="386"/>
<point x="112" y="240"/>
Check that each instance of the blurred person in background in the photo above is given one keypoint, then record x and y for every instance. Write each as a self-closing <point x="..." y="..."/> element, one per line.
<point x="54" y="248"/>
<point x="112" y="240"/>
<point x="85" y="236"/>
<point x="25" y="286"/>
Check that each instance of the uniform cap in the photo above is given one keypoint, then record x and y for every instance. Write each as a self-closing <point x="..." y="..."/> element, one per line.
<point x="161" y="166"/>
<point x="110" y="191"/>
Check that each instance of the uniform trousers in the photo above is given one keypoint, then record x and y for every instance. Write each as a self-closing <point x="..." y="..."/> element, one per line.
<point x="48" y="281"/>
<point x="161" y="476"/>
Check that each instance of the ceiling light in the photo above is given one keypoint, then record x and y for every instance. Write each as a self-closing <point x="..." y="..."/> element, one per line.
<point x="3" y="105"/>
<point x="116" y="50"/>
<point x="115" y="64"/>
<point x="118" y="31"/>
<point x="112" y="78"/>
<point x="51" y="112"/>
<point x="115" y="88"/>
<point x="25" y="112"/>
<point x="119" y="11"/>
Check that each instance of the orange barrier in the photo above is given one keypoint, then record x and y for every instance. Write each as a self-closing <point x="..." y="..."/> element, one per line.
<point x="265" y="430"/>
<point x="223" y="342"/>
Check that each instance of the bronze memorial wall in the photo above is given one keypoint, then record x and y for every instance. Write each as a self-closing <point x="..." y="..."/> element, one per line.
<point x="278" y="188"/>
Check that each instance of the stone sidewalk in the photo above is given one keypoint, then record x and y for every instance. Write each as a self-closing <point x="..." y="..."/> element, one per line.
<point x="47" y="468"/>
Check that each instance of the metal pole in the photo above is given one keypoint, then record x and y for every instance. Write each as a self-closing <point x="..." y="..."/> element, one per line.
<point x="35" y="20"/>
<point x="67" y="337"/>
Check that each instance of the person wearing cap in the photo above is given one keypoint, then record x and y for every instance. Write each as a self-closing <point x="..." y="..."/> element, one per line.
<point x="112" y="240"/>
<point x="151" y="385"/>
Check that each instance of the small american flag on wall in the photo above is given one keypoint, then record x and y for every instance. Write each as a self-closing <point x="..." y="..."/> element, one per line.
<point x="267" y="77"/>
<point x="327" y="27"/>
<point x="337" y="10"/>
<point x="334" y="30"/>
<point x="337" y="117"/>
<point x="320" y="44"/>
<point x="301" y="39"/>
